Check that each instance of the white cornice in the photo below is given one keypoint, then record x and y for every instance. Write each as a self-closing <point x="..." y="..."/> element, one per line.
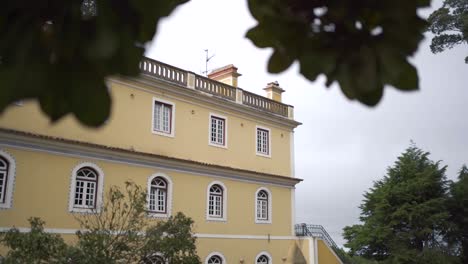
<point x="71" y="231"/>
<point x="22" y="140"/>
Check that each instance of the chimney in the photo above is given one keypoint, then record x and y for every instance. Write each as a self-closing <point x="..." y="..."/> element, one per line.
<point x="227" y="74"/>
<point x="274" y="91"/>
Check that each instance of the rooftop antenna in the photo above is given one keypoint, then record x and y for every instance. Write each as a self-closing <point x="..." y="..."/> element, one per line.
<point x="207" y="59"/>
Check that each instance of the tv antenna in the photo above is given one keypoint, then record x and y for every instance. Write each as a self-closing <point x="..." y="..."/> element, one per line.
<point x="207" y="59"/>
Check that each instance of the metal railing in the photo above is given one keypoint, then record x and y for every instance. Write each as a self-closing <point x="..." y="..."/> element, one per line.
<point x="173" y="74"/>
<point x="315" y="231"/>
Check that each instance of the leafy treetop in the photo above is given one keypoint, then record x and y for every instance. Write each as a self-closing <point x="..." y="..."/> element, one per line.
<point x="60" y="52"/>
<point x="404" y="214"/>
<point x="450" y="25"/>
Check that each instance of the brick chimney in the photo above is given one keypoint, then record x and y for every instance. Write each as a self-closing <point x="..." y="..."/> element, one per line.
<point x="227" y="74"/>
<point x="274" y="91"/>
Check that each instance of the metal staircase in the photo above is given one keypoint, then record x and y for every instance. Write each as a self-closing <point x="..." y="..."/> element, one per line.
<point x="315" y="231"/>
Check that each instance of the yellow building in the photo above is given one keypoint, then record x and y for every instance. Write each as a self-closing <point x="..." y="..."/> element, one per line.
<point x="203" y="146"/>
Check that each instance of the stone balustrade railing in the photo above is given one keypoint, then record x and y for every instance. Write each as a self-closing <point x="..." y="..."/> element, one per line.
<point x="190" y="80"/>
<point x="216" y="88"/>
<point x="163" y="71"/>
<point x="263" y="103"/>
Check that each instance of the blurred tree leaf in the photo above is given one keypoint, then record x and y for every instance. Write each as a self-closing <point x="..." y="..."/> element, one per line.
<point x="450" y="25"/>
<point x="363" y="45"/>
<point x="61" y="51"/>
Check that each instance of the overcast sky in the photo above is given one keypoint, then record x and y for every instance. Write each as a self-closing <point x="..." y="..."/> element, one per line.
<point x="342" y="146"/>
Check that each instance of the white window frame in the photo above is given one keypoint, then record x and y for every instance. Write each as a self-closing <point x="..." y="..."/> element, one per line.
<point x="269" y="206"/>
<point x="269" y="141"/>
<point x="223" y="259"/>
<point x="168" y="196"/>
<point x="214" y="144"/>
<point x="270" y="259"/>
<point x="172" y="118"/>
<point x="99" y="192"/>
<point x="10" y="184"/>
<point x="209" y="217"/>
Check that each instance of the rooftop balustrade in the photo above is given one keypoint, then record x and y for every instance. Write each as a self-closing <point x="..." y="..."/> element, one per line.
<point x="159" y="70"/>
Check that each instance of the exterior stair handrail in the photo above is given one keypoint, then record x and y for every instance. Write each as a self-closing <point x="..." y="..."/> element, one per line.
<point x="315" y="231"/>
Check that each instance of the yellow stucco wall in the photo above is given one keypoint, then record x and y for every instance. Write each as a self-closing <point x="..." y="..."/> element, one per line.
<point x="130" y="127"/>
<point x="233" y="250"/>
<point x="325" y="255"/>
<point x="42" y="188"/>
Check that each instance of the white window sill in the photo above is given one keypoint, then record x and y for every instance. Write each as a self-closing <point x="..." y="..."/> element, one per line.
<point x="5" y="206"/>
<point x="157" y="215"/>
<point x="216" y="219"/>
<point x="264" y="155"/>
<point x="217" y="145"/>
<point x="257" y="221"/>
<point x="160" y="133"/>
<point x="84" y="210"/>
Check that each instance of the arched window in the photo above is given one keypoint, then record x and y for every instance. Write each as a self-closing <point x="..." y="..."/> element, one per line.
<point x="263" y="259"/>
<point x="86" y="188"/>
<point x="158" y="195"/>
<point x="215" y="201"/>
<point x="215" y="260"/>
<point x="154" y="259"/>
<point x="4" y="165"/>
<point x="263" y="206"/>
<point x="7" y="179"/>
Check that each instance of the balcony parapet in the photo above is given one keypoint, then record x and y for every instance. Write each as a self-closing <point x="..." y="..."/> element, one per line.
<point x="159" y="70"/>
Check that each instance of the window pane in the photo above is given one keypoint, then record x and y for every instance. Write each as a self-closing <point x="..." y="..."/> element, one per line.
<point x="3" y="179"/>
<point x="215" y="260"/>
<point x="162" y="117"/>
<point x="217" y="130"/>
<point x="262" y="259"/>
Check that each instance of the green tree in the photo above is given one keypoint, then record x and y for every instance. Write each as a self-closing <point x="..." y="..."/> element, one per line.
<point x="61" y="51"/>
<point x="404" y="215"/>
<point x="117" y="232"/>
<point x="112" y="234"/>
<point x="173" y="239"/>
<point x="450" y="25"/>
<point x="458" y="207"/>
<point x="35" y="246"/>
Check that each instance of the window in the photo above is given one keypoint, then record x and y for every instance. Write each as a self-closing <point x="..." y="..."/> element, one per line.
<point x="263" y="206"/>
<point x="217" y="131"/>
<point x="154" y="259"/>
<point x="215" y="208"/>
<point x="216" y="201"/>
<point x="263" y="258"/>
<point x="159" y="195"/>
<point x="163" y="117"/>
<point x="86" y="188"/>
<point x="7" y="179"/>
<point x="215" y="258"/>
<point x="263" y="142"/>
<point x="3" y="178"/>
